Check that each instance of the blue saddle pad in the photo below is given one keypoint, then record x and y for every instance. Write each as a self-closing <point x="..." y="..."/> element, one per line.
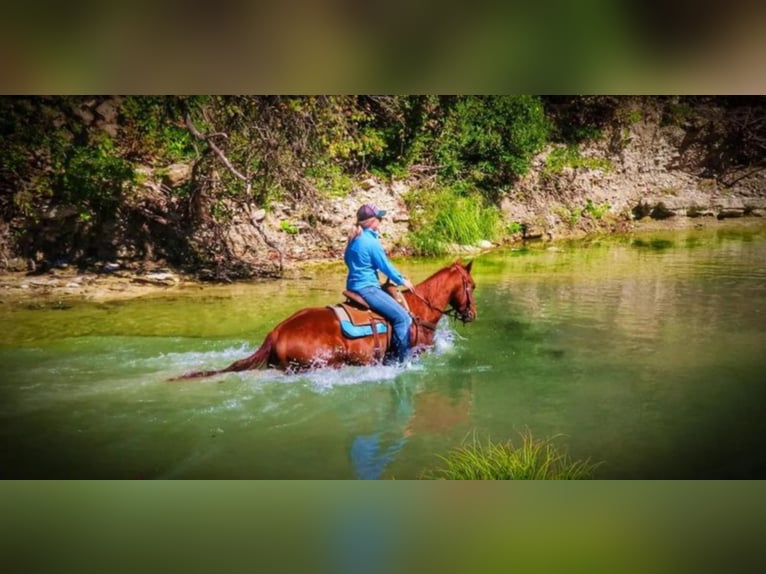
<point x="355" y="331"/>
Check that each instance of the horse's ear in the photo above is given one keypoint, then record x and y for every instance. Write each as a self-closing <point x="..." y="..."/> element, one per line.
<point x="469" y="265"/>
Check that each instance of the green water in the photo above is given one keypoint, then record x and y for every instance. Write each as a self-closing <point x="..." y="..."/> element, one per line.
<point x="646" y="353"/>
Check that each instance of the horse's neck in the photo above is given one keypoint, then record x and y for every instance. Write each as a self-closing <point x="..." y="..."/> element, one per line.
<point x="435" y="292"/>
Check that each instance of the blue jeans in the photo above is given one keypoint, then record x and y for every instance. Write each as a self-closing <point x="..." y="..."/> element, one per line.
<point x="381" y="302"/>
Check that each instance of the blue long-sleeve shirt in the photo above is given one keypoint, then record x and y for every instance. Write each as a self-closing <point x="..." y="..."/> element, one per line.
<point x="364" y="257"/>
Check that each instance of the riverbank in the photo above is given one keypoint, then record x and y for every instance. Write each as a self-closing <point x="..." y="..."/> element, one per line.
<point x="62" y="286"/>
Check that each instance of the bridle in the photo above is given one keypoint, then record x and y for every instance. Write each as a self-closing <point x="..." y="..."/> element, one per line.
<point x="463" y="314"/>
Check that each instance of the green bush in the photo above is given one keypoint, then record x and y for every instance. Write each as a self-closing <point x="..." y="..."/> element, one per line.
<point x="489" y="141"/>
<point x="94" y="177"/>
<point x="152" y="128"/>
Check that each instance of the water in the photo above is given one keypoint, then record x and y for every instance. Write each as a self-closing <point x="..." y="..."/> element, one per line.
<point x="646" y="353"/>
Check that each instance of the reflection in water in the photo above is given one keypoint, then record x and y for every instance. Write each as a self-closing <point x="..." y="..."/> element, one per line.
<point x="412" y="413"/>
<point x="372" y="453"/>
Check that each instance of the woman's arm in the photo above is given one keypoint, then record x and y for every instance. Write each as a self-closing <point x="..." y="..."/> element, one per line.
<point x="381" y="262"/>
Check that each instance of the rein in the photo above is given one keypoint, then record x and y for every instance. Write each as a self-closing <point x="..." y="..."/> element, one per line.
<point x="449" y="312"/>
<point x="417" y="320"/>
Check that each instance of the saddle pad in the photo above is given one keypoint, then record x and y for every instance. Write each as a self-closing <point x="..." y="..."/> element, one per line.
<point x="355" y="316"/>
<point x="355" y="331"/>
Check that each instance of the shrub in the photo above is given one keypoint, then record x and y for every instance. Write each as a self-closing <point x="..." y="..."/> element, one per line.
<point x="489" y="141"/>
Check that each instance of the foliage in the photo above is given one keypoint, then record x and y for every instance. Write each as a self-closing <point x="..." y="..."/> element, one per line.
<point x="569" y="156"/>
<point x="579" y="118"/>
<point x="409" y="127"/>
<point x="445" y="216"/>
<point x="565" y="214"/>
<point x="634" y="116"/>
<point x="596" y="210"/>
<point x="53" y="167"/>
<point x="489" y="141"/>
<point x="677" y="114"/>
<point x="93" y="178"/>
<point x="534" y="459"/>
<point x="65" y="175"/>
<point x="153" y="129"/>
<point x="287" y="144"/>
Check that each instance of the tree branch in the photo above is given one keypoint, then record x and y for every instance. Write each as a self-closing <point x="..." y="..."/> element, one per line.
<point x="206" y="138"/>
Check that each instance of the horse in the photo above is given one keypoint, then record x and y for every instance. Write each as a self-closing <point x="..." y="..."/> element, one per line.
<point x="312" y="337"/>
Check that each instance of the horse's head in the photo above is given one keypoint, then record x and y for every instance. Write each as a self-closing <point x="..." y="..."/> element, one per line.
<point x="461" y="298"/>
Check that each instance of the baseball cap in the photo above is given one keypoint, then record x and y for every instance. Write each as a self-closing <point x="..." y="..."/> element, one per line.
<point x="367" y="211"/>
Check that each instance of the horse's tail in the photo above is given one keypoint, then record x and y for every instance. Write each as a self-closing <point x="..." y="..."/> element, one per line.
<point x="258" y="360"/>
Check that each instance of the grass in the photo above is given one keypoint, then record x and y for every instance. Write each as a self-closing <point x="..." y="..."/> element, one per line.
<point x="596" y="210"/>
<point x="534" y="459"/>
<point x="446" y="216"/>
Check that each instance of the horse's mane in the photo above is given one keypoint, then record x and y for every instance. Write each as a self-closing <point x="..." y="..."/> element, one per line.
<point x="437" y="277"/>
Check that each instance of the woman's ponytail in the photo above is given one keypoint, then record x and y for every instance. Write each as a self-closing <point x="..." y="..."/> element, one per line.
<point x="355" y="232"/>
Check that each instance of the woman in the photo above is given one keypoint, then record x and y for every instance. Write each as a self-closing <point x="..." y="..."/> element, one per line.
<point x="364" y="257"/>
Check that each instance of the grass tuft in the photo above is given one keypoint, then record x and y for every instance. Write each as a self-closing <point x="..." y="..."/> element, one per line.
<point x="534" y="459"/>
<point x="448" y="216"/>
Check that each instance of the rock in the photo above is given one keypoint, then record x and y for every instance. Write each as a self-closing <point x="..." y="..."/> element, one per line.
<point x="108" y="111"/>
<point x="111" y="129"/>
<point x="484" y="244"/>
<point x="258" y="215"/>
<point x="368" y="183"/>
<point x="730" y="213"/>
<point x="730" y="204"/>
<point x="176" y="175"/>
<point x="17" y="264"/>
<point x="60" y="212"/>
<point x="697" y="211"/>
<point x="84" y="114"/>
<point x="531" y="232"/>
<point x="43" y="283"/>
<point x="161" y="279"/>
<point x="660" y="211"/>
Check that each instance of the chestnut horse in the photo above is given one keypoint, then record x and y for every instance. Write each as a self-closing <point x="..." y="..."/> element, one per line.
<point x="312" y="337"/>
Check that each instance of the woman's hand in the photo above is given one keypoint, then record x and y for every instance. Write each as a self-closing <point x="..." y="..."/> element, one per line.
<point x="408" y="284"/>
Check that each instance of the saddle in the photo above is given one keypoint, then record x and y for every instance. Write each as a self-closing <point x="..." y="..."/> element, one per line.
<point x="358" y="320"/>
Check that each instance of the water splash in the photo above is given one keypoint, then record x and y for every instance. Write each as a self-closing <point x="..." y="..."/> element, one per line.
<point x="321" y="379"/>
<point x="194" y="360"/>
